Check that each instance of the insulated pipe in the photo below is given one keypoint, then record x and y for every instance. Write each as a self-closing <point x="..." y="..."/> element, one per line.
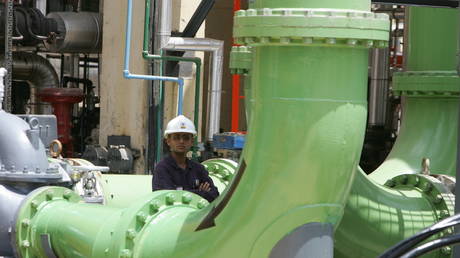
<point x="128" y="75"/>
<point x="216" y="47"/>
<point x="35" y="69"/>
<point x="166" y="42"/>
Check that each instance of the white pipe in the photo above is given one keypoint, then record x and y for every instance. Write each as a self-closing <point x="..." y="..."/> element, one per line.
<point x="216" y="47"/>
<point x="3" y="72"/>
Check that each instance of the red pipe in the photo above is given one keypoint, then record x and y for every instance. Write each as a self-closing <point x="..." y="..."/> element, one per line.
<point x="235" y="86"/>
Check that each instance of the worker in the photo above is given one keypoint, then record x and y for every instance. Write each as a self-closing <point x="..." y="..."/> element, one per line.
<point x="176" y="171"/>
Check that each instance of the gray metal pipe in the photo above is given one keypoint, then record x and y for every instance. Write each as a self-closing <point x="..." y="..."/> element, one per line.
<point x="10" y="201"/>
<point x="35" y="69"/>
<point x="378" y="89"/>
<point x="216" y="47"/>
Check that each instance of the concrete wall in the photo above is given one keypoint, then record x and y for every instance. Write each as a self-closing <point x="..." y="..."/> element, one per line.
<point x="123" y="102"/>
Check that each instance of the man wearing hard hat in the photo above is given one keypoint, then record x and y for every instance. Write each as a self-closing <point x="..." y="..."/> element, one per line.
<point x="176" y="171"/>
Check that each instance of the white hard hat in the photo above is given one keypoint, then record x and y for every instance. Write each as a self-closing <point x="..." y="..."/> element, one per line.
<point x="180" y="124"/>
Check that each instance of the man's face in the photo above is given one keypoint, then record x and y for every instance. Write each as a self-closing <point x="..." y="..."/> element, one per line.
<point x="180" y="142"/>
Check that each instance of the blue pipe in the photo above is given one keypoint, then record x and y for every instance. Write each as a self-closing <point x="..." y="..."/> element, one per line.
<point x="128" y="75"/>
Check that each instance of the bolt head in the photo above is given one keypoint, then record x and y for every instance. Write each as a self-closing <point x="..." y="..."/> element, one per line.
<point x="446" y="250"/>
<point x="170" y="199"/>
<point x="154" y="206"/>
<point x="25" y="244"/>
<point x="201" y="204"/>
<point x="186" y="198"/>
<point x="49" y="195"/>
<point x="34" y="204"/>
<point x="25" y="222"/>
<point x="141" y="217"/>
<point x="131" y="233"/>
<point x="126" y="253"/>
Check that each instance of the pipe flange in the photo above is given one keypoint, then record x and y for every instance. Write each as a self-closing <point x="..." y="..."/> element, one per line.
<point x="439" y="196"/>
<point x="150" y="210"/>
<point x="328" y="27"/>
<point x="427" y="84"/>
<point x="240" y="60"/>
<point x="25" y="245"/>
<point x="224" y="169"/>
<point x="26" y="174"/>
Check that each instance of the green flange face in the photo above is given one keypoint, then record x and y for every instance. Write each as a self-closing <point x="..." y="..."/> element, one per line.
<point x="441" y="199"/>
<point x="240" y="60"/>
<point x="23" y="234"/>
<point x="439" y="196"/>
<point x="148" y="212"/>
<point x="311" y="26"/>
<point x="427" y="84"/>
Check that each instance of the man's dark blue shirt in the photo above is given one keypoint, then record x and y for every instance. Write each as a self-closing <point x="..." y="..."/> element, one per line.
<point x="167" y="175"/>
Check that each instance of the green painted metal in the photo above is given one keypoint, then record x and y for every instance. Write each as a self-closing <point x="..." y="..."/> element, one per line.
<point x="352" y="5"/>
<point x="195" y="60"/>
<point x="89" y="230"/>
<point x="377" y="217"/>
<point x="431" y="88"/>
<point x="221" y="172"/>
<point x="301" y="114"/>
<point x="121" y="190"/>
<point x="310" y="26"/>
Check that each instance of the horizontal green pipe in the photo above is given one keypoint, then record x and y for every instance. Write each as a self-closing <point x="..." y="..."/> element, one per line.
<point x="377" y="218"/>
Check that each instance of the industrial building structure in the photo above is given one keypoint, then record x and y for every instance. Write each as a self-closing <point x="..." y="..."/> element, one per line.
<point x="330" y="128"/>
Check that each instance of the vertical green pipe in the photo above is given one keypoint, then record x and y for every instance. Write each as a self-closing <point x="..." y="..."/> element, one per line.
<point x="303" y="146"/>
<point x="430" y="89"/>
<point x="377" y="217"/>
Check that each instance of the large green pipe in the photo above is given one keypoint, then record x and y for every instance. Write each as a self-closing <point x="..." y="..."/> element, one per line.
<point x="377" y="217"/>
<point x="429" y="87"/>
<point x="299" y="158"/>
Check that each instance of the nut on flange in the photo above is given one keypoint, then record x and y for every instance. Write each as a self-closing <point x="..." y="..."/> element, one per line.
<point x="302" y="26"/>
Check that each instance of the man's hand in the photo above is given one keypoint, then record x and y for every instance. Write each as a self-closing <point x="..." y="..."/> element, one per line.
<point x="204" y="187"/>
